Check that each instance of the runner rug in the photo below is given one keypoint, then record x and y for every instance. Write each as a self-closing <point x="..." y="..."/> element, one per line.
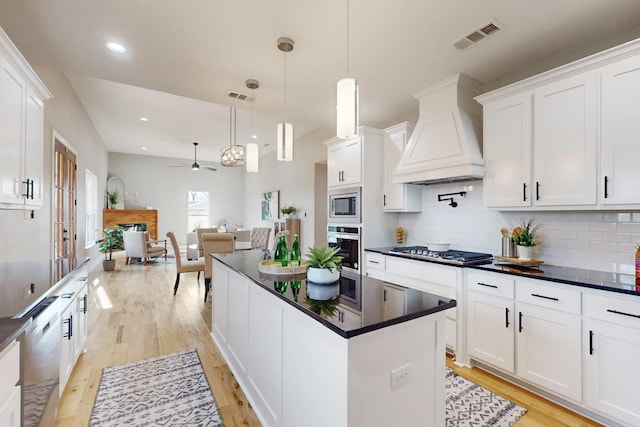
<point x="170" y="390"/>
<point x="469" y="405"/>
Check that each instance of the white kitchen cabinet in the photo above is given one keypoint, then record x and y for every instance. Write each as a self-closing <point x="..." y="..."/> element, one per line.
<point x="69" y="321"/>
<point x="507" y="152"/>
<point x="490" y="319"/>
<point x="375" y="265"/>
<point x="74" y="312"/>
<point x="344" y="163"/>
<point x="611" y="345"/>
<point x="548" y="343"/>
<point x="565" y="123"/>
<point x="620" y="127"/>
<point x="10" y="397"/>
<point x="21" y="130"/>
<point x="220" y="297"/>
<point x="398" y="197"/>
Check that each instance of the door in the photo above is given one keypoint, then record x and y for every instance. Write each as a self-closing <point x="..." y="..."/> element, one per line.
<point x="64" y="202"/>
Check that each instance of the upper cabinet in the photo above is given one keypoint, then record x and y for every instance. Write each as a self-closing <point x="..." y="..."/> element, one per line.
<point x="565" y="138"/>
<point x="344" y="162"/>
<point x="398" y="197"/>
<point x="21" y="130"/>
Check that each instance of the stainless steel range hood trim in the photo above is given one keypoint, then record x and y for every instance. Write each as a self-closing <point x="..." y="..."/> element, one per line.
<point x="444" y="146"/>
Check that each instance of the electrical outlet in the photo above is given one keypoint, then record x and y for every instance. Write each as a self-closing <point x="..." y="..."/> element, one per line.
<point x="400" y="376"/>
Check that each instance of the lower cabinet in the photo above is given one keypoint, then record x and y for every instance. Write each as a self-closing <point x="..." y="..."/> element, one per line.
<point x="74" y="326"/>
<point x="490" y="330"/>
<point x="10" y="392"/>
<point x="10" y="409"/>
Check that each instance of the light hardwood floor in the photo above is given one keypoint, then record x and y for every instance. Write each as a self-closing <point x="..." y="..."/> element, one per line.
<point x="134" y="315"/>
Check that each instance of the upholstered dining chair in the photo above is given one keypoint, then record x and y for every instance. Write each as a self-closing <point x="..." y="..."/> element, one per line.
<point x="199" y="233"/>
<point x="183" y="265"/>
<point x="214" y="243"/>
<point x="260" y="237"/>
<point x="138" y="245"/>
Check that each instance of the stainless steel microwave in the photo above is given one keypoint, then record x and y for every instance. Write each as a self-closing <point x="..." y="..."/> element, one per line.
<point x="345" y="206"/>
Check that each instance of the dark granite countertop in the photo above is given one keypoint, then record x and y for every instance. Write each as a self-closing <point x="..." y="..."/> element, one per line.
<point x="361" y="295"/>
<point x="23" y="285"/>
<point x="613" y="282"/>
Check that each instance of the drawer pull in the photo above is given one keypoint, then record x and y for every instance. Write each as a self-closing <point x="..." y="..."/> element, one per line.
<point x="520" y="321"/>
<point x="487" y="285"/>
<point x="506" y="317"/>
<point x="545" y="297"/>
<point x="590" y="342"/>
<point x="623" y="313"/>
<point x="373" y="262"/>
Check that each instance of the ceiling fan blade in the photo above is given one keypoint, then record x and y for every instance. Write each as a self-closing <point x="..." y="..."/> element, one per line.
<point x="209" y="168"/>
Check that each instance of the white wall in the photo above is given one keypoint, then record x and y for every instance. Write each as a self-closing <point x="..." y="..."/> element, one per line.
<point x="295" y="181"/>
<point x="602" y="241"/>
<point x="31" y="239"/>
<point x="150" y="181"/>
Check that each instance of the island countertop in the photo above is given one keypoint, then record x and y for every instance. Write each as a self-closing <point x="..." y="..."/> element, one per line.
<point x="369" y="300"/>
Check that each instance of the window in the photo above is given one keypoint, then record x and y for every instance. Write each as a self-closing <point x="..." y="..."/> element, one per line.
<point x="91" y="209"/>
<point x="198" y="210"/>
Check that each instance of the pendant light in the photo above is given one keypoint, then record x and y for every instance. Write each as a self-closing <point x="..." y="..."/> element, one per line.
<point x="285" y="129"/>
<point x="347" y="101"/>
<point x="253" y="151"/>
<point x="233" y="154"/>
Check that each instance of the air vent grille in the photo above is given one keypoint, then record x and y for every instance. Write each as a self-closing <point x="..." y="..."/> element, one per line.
<point x="239" y="96"/>
<point x="478" y="35"/>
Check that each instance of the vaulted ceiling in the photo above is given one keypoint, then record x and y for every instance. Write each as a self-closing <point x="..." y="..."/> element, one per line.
<point x="184" y="57"/>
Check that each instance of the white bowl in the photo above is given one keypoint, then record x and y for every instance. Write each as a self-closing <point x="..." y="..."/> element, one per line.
<point x="438" y="246"/>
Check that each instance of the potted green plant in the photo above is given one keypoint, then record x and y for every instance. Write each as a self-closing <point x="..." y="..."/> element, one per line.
<point x="526" y="239"/>
<point x="113" y="197"/>
<point x="112" y="240"/>
<point x="288" y="211"/>
<point x="324" y="266"/>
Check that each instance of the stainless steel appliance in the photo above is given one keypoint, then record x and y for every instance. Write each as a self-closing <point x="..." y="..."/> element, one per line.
<point x="351" y="290"/>
<point x="344" y="206"/>
<point x="448" y="257"/>
<point x="347" y="238"/>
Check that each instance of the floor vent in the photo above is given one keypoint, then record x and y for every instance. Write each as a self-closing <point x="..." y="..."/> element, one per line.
<point x="478" y="35"/>
<point x="239" y="96"/>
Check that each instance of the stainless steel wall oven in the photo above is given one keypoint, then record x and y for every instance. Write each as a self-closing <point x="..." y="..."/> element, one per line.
<point x="347" y="238"/>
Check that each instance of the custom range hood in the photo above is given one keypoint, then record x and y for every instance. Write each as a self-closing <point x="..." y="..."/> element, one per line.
<point x="445" y="145"/>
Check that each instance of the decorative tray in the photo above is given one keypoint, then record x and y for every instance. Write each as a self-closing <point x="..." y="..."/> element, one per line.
<point x="531" y="263"/>
<point x="268" y="266"/>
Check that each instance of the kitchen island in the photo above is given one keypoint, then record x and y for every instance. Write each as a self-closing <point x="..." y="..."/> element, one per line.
<point x="359" y="353"/>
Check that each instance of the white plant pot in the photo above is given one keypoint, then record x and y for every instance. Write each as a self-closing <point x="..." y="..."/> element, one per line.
<point x="323" y="292"/>
<point x="525" y="253"/>
<point x="322" y="275"/>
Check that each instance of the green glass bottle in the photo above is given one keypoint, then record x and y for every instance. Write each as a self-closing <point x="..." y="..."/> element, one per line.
<point x="295" y="256"/>
<point x="295" y="288"/>
<point x="281" y="256"/>
<point x="280" y="287"/>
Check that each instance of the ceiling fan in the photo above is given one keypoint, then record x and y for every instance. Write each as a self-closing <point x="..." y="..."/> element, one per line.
<point x="195" y="166"/>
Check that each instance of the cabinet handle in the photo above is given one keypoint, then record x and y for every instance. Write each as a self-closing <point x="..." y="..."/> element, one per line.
<point x="606" y="187"/>
<point x="519" y="321"/>
<point x="524" y="191"/>
<point x="384" y="297"/>
<point x="590" y="342"/>
<point x="384" y="200"/>
<point x="69" y="323"/>
<point x="487" y="285"/>
<point x="506" y="317"/>
<point x="545" y="297"/>
<point x="31" y="189"/>
<point x="26" y="187"/>
<point x="537" y="190"/>
<point x="623" y="313"/>
<point x="84" y="304"/>
<point x="373" y="262"/>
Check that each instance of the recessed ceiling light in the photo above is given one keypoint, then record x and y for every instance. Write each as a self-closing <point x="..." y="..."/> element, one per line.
<point x="143" y="148"/>
<point x="144" y="119"/>
<point x="254" y="136"/>
<point x="116" y="47"/>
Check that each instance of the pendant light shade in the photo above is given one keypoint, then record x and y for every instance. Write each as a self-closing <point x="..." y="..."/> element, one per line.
<point x="233" y="154"/>
<point x="347" y="101"/>
<point x="347" y="108"/>
<point x="285" y="142"/>
<point x="285" y="129"/>
<point x="253" y="150"/>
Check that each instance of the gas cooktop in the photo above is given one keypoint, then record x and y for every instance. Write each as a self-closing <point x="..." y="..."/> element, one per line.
<point x="447" y="257"/>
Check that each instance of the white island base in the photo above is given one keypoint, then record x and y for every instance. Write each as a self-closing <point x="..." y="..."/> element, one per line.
<point x="296" y="371"/>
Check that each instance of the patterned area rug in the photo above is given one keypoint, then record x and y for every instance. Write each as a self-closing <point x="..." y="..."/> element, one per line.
<point x="469" y="405"/>
<point x="170" y="390"/>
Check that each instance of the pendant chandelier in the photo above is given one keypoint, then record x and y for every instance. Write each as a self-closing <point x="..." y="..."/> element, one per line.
<point x="233" y="154"/>
<point x="285" y="129"/>
<point x="253" y="151"/>
<point x="347" y="101"/>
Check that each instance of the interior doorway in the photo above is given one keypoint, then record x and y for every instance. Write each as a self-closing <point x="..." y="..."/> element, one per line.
<point x="64" y="205"/>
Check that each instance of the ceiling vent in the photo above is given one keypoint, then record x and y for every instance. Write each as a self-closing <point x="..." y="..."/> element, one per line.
<point x="239" y="96"/>
<point x="478" y="35"/>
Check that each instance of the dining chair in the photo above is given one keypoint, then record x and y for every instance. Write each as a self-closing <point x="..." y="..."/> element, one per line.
<point x="138" y="245"/>
<point x="214" y="243"/>
<point x="199" y="233"/>
<point x="260" y="237"/>
<point x="184" y="265"/>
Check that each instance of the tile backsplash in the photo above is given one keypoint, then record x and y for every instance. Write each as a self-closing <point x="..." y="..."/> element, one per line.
<point x="595" y="240"/>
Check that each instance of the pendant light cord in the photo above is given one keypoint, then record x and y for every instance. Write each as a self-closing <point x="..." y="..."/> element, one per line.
<point x="347" y="37"/>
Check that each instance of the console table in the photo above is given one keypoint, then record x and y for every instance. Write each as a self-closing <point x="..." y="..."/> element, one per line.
<point x="114" y="217"/>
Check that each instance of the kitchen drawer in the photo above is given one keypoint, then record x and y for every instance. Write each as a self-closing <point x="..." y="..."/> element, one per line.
<point x="611" y="309"/>
<point x="375" y="265"/>
<point x="9" y="368"/>
<point x="491" y="284"/>
<point x="548" y="296"/>
<point x="409" y="273"/>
